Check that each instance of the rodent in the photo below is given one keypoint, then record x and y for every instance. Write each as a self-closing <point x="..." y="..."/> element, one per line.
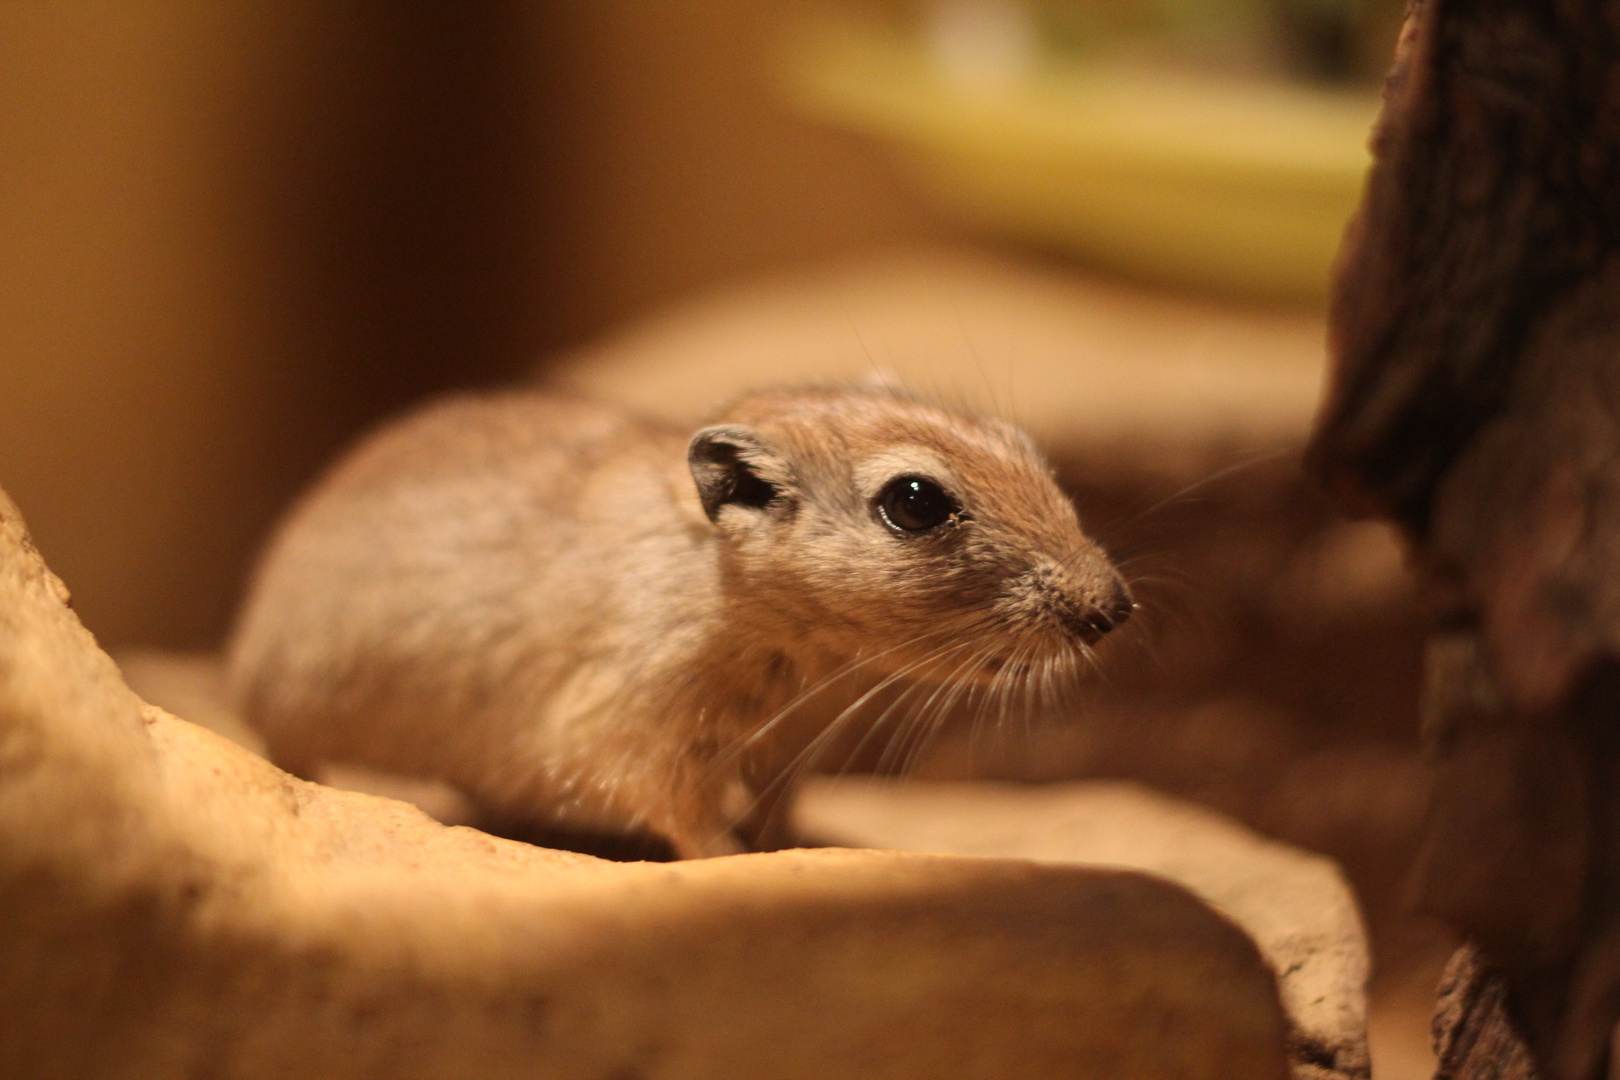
<point x="592" y="620"/>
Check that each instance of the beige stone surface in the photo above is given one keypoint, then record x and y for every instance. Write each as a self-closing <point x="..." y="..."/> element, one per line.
<point x="192" y="685"/>
<point x="1295" y="905"/>
<point x="1073" y="359"/>
<point x="173" y="905"/>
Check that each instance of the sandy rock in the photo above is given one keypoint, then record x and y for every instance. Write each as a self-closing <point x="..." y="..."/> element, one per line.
<point x="1074" y="360"/>
<point x="192" y="685"/>
<point x="172" y="905"/>
<point x="1296" y="906"/>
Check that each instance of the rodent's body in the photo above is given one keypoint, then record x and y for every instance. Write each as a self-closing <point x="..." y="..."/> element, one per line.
<point x="581" y="618"/>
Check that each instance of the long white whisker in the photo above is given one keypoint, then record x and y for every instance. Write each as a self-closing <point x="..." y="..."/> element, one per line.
<point x="1218" y="475"/>
<point x="920" y="716"/>
<point x="739" y="746"/>
<point x="808" y="755"/>
<point x="889" y="710"/>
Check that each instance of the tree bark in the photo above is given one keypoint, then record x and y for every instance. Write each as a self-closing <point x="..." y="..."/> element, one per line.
<point x="1476" y="401"/>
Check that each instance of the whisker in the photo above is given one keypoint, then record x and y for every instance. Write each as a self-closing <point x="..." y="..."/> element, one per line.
<point x="807" y="756"/>
<point x="737" y="747"/>
<point x="932" y="709"/>
<point x="932" y="717"/>
<point x="1254" y="461"/>
<point x="883" y="717"/>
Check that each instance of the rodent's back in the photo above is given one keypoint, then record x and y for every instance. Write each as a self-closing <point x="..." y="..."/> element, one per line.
<point x="461" y="564"/>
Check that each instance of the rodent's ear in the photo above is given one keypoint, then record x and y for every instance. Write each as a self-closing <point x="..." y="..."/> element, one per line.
<point x="732" y="467"/>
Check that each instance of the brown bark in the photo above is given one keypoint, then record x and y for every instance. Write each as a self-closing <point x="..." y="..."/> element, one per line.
<point x="1476" y="400"/>
<point x="1472" y="1034"/>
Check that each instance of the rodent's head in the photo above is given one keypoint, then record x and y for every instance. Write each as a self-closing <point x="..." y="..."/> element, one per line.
<point x="892" y="526"/>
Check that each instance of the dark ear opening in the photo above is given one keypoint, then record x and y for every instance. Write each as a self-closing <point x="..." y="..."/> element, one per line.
<point x="733" y="468"/>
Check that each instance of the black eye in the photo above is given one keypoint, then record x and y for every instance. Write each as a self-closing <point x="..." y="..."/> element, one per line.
<point x="916" y="504"/>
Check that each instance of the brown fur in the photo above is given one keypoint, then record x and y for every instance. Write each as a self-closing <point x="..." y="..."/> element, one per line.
<point x="528" y="597"/>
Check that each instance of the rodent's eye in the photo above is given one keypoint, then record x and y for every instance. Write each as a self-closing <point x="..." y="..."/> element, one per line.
<point x="916" y="504"/>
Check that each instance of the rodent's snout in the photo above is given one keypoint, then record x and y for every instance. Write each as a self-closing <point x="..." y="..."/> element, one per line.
<point x="1086" y="605"/>
<point x="1092" y="621"/>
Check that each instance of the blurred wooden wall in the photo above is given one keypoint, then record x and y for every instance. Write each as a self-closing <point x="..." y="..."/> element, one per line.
<point x="233" y="233"/>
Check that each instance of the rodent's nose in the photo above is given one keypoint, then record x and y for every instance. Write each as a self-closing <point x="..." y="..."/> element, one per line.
<point x="1120" y="605"/>
<point x="1108" y="614"/>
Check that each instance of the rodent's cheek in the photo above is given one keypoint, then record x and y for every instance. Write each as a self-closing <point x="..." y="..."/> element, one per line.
<point x="1026" y="597"/>
<point x="947" y="594"/>
<point x="886" y="602"/>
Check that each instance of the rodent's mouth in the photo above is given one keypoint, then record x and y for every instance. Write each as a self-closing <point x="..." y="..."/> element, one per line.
<point x="1053" y="647"/>
<point x="1052" y="652"/>
<point x="1089" y="624"/>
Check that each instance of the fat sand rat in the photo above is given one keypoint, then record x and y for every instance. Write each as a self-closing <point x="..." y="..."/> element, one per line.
<point x="593" y="621"/>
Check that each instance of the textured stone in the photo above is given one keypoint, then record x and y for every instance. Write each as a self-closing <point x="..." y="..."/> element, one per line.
<point x="1295" y="905"/>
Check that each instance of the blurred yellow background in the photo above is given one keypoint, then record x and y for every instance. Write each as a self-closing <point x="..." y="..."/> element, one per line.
<point x="232" y="234"/>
